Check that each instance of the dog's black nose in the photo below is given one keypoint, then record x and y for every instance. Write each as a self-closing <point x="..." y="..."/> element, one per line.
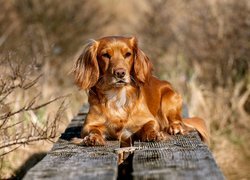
<point x="120" y="72"/>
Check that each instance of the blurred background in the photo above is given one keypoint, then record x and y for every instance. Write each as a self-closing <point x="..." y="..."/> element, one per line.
<point x="201" y="47"/>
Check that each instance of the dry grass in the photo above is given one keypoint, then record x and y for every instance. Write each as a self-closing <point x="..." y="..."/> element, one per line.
<point x="30" y="121"/>
<point x="202" y="47"/>
<point x="228" y="122"/>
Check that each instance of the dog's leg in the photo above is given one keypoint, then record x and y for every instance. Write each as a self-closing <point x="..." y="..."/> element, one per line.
<point x="175" y="123"/>
<point x="93" y="131"/>
<point x="171" y="112"/>
<point x="150" y="132"/>
<point x="94" y="138"/>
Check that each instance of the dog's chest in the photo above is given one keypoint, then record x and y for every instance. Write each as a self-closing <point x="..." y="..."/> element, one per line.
<point x="117" y="104"/>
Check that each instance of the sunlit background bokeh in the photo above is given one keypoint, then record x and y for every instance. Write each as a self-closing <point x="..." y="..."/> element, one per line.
<point x="201" y="47"/>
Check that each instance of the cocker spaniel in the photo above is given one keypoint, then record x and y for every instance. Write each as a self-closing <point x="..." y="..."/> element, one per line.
<point x="126" y="100"/>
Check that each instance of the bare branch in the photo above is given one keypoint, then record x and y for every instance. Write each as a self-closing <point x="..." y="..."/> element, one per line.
<point x="29" y="107"/>
<point x="32" y="83"/>
<point x="21" y="141"/>
<point x="10" y="126"/>
<point x="45" y="104"/>
<point x="3" y="154"/>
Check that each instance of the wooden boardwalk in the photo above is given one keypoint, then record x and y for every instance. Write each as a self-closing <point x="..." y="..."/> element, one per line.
<point x="183" y="157"/>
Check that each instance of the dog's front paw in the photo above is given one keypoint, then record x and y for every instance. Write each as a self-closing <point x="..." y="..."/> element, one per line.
<point x="151" y="135"/>
<point x="93" y="140"/>
<point x="176" y="128"/>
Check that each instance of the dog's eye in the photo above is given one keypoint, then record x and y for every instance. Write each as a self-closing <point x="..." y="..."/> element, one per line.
<point x="106" y="55"/>
<point x="128" y="54"/>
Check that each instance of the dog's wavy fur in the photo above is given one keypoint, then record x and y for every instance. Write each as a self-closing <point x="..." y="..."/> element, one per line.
<point x="126" y="100"/>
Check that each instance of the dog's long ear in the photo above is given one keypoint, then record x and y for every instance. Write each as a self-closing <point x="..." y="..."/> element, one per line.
<point x="86" y="68"/>
<point x="142" y="65"/>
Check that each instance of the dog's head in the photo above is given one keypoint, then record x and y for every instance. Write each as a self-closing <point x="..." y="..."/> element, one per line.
<point x="110" y="62"/>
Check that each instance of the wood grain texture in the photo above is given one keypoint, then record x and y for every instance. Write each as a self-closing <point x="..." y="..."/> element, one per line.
<point x="182" y="157"/>
<point x="69" y="161"/>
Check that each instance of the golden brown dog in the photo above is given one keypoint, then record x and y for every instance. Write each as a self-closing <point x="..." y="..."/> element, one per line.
<point x="125" y="99"/>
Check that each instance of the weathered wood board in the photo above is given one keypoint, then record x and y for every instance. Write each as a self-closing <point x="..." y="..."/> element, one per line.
<point x="68" y="161"/>
<point x="182" y="157"/>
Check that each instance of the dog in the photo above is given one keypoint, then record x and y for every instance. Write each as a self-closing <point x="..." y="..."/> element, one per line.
<point x="126" y="100"/>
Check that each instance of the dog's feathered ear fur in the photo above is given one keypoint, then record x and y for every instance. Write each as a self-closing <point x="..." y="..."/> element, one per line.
<point x="142" y="65"/>
<point x="86" y="69"/>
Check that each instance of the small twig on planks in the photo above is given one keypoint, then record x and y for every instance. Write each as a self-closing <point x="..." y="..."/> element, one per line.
<point x="124" y="152"/>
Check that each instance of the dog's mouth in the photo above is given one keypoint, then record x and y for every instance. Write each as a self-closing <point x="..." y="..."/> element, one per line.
<point x="120" y="83"/>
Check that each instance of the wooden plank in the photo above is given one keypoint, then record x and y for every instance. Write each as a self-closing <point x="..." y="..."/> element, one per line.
<point x="69" y="161"/>
<point x="183" y="157"/>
